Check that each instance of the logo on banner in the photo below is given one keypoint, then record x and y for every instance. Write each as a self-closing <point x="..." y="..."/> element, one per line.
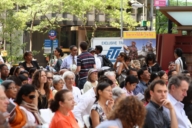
<point x="113" y="52"/>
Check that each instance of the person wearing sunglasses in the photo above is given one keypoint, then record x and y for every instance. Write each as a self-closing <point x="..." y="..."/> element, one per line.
<point x="50" y="79"/>
<point x="25" y="99"/>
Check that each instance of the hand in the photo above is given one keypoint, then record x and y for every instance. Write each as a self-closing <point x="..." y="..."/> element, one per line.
<point x="125" y="47"/>
<point x="110" y="103"/>
<point x="166" y="104"/>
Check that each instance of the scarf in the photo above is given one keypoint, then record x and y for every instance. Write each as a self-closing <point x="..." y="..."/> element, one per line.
<point x="19" y="119"/>
<point x="33" y="109"/>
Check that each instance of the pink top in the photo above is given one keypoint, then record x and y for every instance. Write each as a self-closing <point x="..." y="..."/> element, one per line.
<point x="128" y="93"/>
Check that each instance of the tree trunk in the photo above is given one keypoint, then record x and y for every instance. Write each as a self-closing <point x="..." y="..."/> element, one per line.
<point x="31" y="33"/>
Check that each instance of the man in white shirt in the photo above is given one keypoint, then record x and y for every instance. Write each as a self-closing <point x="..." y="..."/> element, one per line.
<point x="71" y="59"/>
<point x="178" y="86"/>
<point x="69" y="79"/>
<point x="97" y="60"/>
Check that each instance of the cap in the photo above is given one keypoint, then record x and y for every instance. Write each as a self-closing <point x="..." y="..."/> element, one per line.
<point x="91" y="50"/>
<point x="92" y="70"/>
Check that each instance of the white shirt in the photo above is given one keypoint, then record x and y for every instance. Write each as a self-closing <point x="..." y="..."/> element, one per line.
<point x="30" y="116"/>
<point x="127" y="92"/>
<point x="1" y="59"/>
<point x="183" y="121"/>
<point x="68" y="61"/>
<point x="85" y="104"/>
<point x="76" y="93"/>
<point x="97" y="62"/>
<point x="179" y="62"/>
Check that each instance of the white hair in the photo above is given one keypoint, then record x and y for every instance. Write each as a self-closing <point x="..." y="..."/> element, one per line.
<point x="2" y="88"/>
<point x="110" y="73"/>
<point x="68" y="73"/>
<point x="117" y="92"/>
<point x="56" y="79"/>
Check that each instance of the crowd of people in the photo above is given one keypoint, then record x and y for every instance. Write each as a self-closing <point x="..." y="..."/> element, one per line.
<point x="80" y="91"/>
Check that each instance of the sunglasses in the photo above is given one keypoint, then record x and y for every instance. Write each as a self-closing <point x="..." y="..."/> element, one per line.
<point x="31" y="97"/>
<point x="49" y="77"/>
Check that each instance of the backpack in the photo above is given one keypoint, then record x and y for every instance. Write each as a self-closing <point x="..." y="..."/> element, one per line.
<point x="106" y="61"/>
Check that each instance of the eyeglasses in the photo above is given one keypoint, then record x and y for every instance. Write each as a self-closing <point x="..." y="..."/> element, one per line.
<point x="49" y="77"/>
<point x="31" y="97"/>
<point x="12" y="88"/>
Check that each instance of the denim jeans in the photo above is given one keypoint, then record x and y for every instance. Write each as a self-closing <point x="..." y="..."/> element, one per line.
<point x="81" y="83"/>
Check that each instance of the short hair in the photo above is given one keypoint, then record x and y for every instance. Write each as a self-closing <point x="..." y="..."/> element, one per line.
<point x="59" y="50"/>
<point x="22" y="78"/>
<point x="154" y="83"/>
<point x="161" y="73"/>
<point x="99" y="47"/>
<point x="72" y="46"/>
<point x="26" y="54"/>
<point x="131" y="79"/>
<point x="154" y="75"/>
<point x="141" y="71"/>
<point x="83" y="45"/>
<point x="56" y="79"/>
<point x="176" y="81"/>
<point x="170" y="72"/>
<point x="110" y="73"/>
<point x="68" y="73"/>
<point x="2" y="65"/>
<point x="7" y="83"/>
<point x="130" y="70"/>
<point x="117" y="92"/>
<point x="150" y="57"/>
<point x="15" y="79"/>
<point x="105" y="79"/>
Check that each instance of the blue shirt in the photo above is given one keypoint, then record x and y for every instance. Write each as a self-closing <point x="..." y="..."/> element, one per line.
<point x="140" y="88"/>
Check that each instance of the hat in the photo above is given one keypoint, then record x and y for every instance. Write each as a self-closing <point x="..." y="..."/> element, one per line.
<point x="92" y="70"/>
<point x="91" y="50"/>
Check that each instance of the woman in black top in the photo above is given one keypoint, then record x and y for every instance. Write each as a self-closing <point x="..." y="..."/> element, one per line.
<point x="29" y="63"/>
<point x="43" y="92"/>
<point x="58" y="53"/>
<point x="151" y="63"/>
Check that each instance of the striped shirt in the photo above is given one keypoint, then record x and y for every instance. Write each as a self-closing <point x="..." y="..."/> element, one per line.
<point x="86" y="61"/>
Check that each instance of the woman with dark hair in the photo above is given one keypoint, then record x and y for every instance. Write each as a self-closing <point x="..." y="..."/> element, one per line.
<point x="10" y="89"/>
<point x="151" y="63"/>
<point x="17" y="70"/>
<point x="62" y="105"/>
<point x="50" y="79"/>
<point x="103" y="105"/>
<point x="163" y="76"/>
<point x="4" y="71"/>
<point x="31" y="72"/>
<point x="129" y="113"/>
<point x="25" y="99"/>
<point x="180" y="60"/>
<point x="29" y="63"/>
<point x="130" y="84"/>
<point x="43" y="92"/>
<point x="121" y="67"/>
<point x="187" y="101"/>
<point x="58" y="53"/>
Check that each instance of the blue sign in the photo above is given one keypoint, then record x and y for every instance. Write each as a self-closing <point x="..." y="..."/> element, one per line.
<point x="47" y="43"/>
<point x="55" y="44"/>
<point x="52" y="33"/>
<point x="113" y="52"/>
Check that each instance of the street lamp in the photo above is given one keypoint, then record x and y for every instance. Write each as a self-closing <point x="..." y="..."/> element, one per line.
<point x="135" y="4"/>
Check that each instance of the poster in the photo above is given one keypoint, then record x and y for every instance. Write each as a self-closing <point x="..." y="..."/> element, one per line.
<point x="138" y="43"/>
